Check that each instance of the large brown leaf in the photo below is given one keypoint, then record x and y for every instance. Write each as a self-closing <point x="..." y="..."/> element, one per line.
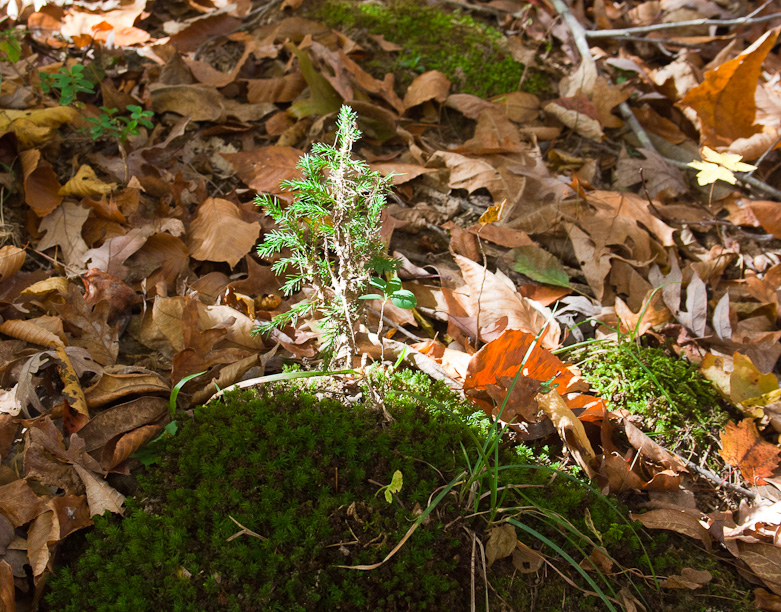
<point x="493" y="298"/>
<point x="219" y="233"/>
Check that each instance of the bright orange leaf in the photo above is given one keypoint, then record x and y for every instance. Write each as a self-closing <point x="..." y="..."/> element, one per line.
<point x="743" y="447"/>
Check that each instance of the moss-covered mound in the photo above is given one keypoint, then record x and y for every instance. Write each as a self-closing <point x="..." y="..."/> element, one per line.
<point x="300" y="476"/>
<point x="472" y="55"/>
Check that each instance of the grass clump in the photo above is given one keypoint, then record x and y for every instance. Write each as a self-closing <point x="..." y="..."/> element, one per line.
<point x="676" y="403"/>
<point x="471" y="54"/>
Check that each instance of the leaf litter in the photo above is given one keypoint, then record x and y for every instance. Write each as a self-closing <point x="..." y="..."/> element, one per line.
<point x="128" y="265"/>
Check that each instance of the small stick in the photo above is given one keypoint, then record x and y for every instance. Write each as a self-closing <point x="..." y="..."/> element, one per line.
<point x="620" y="33"/>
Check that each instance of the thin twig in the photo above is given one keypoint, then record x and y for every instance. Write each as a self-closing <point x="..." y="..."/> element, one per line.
<point x="656" y="27"/>
<point x="395" y="326"/>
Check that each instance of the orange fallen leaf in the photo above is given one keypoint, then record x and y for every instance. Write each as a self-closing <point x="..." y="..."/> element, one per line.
<point x="743" y="447"/>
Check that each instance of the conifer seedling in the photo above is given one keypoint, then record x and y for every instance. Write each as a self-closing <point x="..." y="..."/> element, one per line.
<point x="329" y="238"/>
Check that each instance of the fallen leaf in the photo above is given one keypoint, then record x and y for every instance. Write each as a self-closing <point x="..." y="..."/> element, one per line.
<point x="541" y="266"/>
<point x="218" y="232"/>
<point x="724" y="101"/>
<point x="100" y="495"/>
<point x="431" y="85"/>
<point x="677" y="521"/>
<point x="11" y="260"/>
<point x="62" y="228"/>
<point x="744" y="448"/>
<point x="501" y="543"/>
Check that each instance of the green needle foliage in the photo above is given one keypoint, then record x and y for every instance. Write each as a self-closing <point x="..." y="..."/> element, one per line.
<point x="329" y="238"/>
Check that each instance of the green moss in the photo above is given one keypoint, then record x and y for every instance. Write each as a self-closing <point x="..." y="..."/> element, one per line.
<point x="677" y="404"/>
<point x="472" y="55"/>
<point x="302" y="470"/>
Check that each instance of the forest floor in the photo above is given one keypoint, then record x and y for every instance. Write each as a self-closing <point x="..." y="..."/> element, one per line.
<point x="599" y="177"/>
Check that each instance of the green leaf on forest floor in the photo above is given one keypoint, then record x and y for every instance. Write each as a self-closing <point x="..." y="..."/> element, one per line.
<point x="541" y="266"/>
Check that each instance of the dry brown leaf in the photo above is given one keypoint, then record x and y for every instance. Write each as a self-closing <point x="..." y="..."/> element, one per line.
<point x="526" y="560"/>
<point x="577" y="114"/>
<point x="496" y="298"/>
<point x="29" y="332"/>
<point x="35" y="127"/>
<point x="7" y="588"/>
<point x="19" y="503"/>
<point x="674" y="520"/>
<point x="263" y="169"/>
<point x="11" y="259"/>
<point x="86" y="183"/>
<point x="501" y="543"/>
<point x="42" y="534"/>
<point x="431" y="85"/>
<point x="72" y="390"/>
<point x="120" y="419"/>
<point x="744" y="448"/>
<point x="768" y="214"/>
<point x="765" y="561"/>
<point x="62" y="228"/>
<point x="218" y="232"/>
<point x="41" y="187"/>
<point x="688" y="579"/>
<point x="570" y="429"/>
<point x="120" y="449"/>
<point x="100" y="495"/>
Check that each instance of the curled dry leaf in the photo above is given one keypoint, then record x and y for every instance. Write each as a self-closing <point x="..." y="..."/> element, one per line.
<point x="29" y="332"/>
<point x="41" y="187"/>
<point x="431" y="85"/>
<point x="571" y="430"/>
<point x="11" y="259"/>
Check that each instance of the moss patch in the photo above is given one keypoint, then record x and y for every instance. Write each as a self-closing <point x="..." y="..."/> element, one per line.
<point x="677" y="404"/>
<point x="303" y="471"/>
<point x="472" y="55"/>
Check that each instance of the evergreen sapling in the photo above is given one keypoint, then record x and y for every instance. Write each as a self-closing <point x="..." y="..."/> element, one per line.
<point x="329" y="238"/>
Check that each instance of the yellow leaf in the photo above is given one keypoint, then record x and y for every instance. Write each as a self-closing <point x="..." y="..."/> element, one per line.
<point x="493" y="214"/>
<point x="710" y="173"/>
<point x="731" y="161"/>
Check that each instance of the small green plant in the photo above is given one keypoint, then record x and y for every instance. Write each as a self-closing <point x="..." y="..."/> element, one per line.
<point x="330" y="234"/>
<point x="67" y="83"/>
<point x="393" y="487"/>
<point x="150" y="453"/>
<point x="10" y="45"/>
<point x="120" y="128"/>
